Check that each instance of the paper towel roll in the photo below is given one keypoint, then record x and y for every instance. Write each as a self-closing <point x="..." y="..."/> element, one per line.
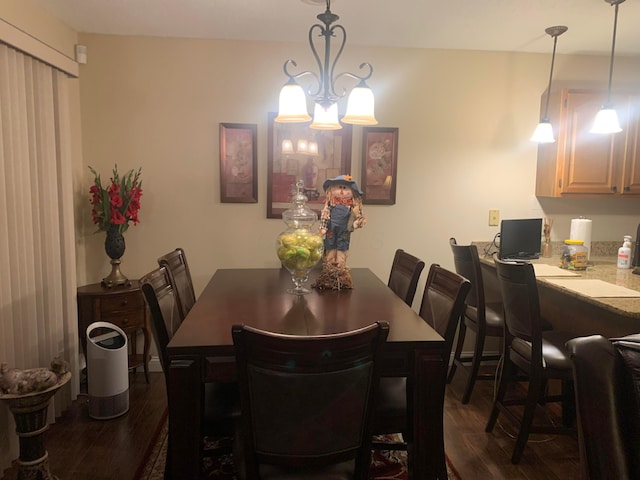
<point x="581" y="230"/>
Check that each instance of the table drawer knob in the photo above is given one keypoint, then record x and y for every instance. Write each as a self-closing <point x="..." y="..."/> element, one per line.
<point x="125" y="321"/>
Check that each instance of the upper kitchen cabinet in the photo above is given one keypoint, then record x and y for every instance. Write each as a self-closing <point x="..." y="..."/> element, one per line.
<point x="583" y="164"/>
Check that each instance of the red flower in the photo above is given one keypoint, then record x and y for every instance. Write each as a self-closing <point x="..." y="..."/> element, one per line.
<point x="116" y="217"/>
<point x="119" y="203"/>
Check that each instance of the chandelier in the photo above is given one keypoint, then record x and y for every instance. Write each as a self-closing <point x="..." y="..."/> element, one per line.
<point x="293" y="101"/>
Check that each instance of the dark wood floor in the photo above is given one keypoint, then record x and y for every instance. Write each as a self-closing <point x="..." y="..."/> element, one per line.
<point x="84" y="449"/>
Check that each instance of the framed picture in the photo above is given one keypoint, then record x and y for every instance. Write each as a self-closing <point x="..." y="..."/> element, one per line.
<point x="295" y="152"/>
<point x="379" y="165"/>
<point x="238" y="163"/>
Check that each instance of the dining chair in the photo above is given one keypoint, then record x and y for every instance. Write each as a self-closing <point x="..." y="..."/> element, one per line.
<point x="441" y="307"/>
<point x="606" y="376"/>
<point x="180" y="276"/>
<point x="404" y="275"/>
<point x="221" y="404"/>
<point x="307" y="402"/>
<point x="541" y="355"/>
<point x="484" y="318"/>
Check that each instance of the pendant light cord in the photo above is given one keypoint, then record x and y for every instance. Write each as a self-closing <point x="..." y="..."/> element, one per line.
<point x="613" y="49"/>
<point x="553" y="60"/>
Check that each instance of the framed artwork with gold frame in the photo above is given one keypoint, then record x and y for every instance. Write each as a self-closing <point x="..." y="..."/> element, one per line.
<point x="295" y="152"/>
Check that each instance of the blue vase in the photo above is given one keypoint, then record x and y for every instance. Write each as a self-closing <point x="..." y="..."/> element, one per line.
<point x="114" y="243"/>
<point x="114" y="246"/>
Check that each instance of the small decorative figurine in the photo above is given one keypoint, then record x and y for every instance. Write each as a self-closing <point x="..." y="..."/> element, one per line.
<point x="341" y="215"/>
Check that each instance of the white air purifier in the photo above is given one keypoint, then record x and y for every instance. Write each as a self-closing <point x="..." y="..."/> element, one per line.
<point x="107" y="371"/>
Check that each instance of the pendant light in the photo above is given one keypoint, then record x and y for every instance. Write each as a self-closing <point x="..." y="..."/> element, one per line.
<point x="607" y="119"/>
<point x="293" y="101"/>
<point x="544" y="131"/>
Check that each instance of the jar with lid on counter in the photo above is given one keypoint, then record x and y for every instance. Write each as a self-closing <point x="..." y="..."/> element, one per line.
<point x="574" y="255"/>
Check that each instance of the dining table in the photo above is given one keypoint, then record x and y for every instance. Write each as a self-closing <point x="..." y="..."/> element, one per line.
<point x="202" y="351"/>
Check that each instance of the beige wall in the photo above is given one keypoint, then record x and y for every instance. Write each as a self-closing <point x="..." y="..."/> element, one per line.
<point x="464" y="120"/>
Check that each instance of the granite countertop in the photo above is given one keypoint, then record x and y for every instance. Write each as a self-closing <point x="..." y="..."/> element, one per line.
<point x="600" y="268"/>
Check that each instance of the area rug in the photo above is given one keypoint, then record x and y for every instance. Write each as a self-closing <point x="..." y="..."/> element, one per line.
<point x="385" y="464"/>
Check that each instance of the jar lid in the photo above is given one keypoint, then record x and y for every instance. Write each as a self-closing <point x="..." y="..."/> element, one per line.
<point x="299" y="215"/>
<point x="574" y="242"/>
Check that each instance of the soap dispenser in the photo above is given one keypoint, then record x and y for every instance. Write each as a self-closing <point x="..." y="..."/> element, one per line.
<point x="624" y="253"/>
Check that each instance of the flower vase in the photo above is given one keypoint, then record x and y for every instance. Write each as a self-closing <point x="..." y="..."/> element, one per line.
<point x="114" y="246"/>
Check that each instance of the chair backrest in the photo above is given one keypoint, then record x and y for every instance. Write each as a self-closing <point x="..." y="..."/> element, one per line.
<point x="404" y="275"/>
<point x="176" y="263"/>
<point x="607" y="387"/>
<point x="163" y="306"/>
<point x="517" y="281"/>
<point x="307" y="401"/>
<point x="443" y="302"/>
<point x="467" y="264"/>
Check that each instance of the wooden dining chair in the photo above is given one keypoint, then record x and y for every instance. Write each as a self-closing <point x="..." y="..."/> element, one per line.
<point x="539" y="354"/>
<point x="307" y="402"/>
<point x="221" y="405"/>
<point x="483" y="318"/>
<point x="404" y="275"/>
<point x="441" y="307"/>
<point x="180" y="276"/>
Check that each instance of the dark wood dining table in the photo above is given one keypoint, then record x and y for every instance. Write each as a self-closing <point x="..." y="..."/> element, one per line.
<point x="202" y="351"/>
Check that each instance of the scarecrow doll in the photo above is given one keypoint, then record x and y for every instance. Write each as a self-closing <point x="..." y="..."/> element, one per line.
<point x="341" y="215"/>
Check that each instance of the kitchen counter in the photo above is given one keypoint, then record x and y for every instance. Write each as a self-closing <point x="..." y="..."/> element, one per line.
<point x="577" y="313"/>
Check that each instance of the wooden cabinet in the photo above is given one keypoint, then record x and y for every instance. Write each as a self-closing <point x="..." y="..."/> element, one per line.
<point x="584" y="164"/>
<point x="123" y="306"/>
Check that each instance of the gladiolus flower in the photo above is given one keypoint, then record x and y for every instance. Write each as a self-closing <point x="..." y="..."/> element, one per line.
<point x="123" y="200"/>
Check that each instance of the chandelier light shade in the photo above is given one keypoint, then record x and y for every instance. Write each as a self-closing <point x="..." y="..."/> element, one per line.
<point x="293" y="101"/>
<point x="325" y="118"/>
<point x="292" y="107"/>
<point x="607" y="119"/>
<point x="544" y="131"/>
<point x="287" y="146"/>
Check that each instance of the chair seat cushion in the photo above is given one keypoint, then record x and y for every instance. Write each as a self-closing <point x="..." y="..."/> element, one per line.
<point x="556" y="360"/>
<point x="493" y="316"/>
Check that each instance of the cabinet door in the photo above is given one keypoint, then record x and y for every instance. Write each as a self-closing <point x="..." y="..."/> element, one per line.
<point x="590" y="162"/>
<point x="631" y="165"/>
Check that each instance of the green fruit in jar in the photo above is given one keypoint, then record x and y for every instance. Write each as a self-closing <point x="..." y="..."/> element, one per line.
<point x="282" y="252"/>
<point x="314" y="242"/>
<point x="303" y="253"/>
<point x="315" y="256"/>
<point x="289" y="239"/>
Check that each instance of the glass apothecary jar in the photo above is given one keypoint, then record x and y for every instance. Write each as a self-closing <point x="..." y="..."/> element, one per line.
<point x="300" y="246"/>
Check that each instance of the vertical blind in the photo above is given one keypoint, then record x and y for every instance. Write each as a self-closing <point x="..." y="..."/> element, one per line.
<point x="38" y="313"/>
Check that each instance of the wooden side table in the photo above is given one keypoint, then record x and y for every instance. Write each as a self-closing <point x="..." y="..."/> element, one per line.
<point x="123" y="306"/>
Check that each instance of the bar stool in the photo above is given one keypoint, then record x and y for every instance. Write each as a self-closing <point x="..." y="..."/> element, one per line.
<point x="484" y="319"/>
<point x="540" y="354"/>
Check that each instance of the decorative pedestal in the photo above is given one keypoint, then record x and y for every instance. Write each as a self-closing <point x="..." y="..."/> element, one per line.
<point x="30" y="414"/>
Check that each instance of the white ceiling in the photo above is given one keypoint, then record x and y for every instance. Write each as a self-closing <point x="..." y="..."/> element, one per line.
<point x="502" y="25"/>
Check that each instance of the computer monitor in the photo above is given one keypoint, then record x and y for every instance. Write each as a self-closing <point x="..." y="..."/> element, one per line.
<point x="520" y="239"/>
